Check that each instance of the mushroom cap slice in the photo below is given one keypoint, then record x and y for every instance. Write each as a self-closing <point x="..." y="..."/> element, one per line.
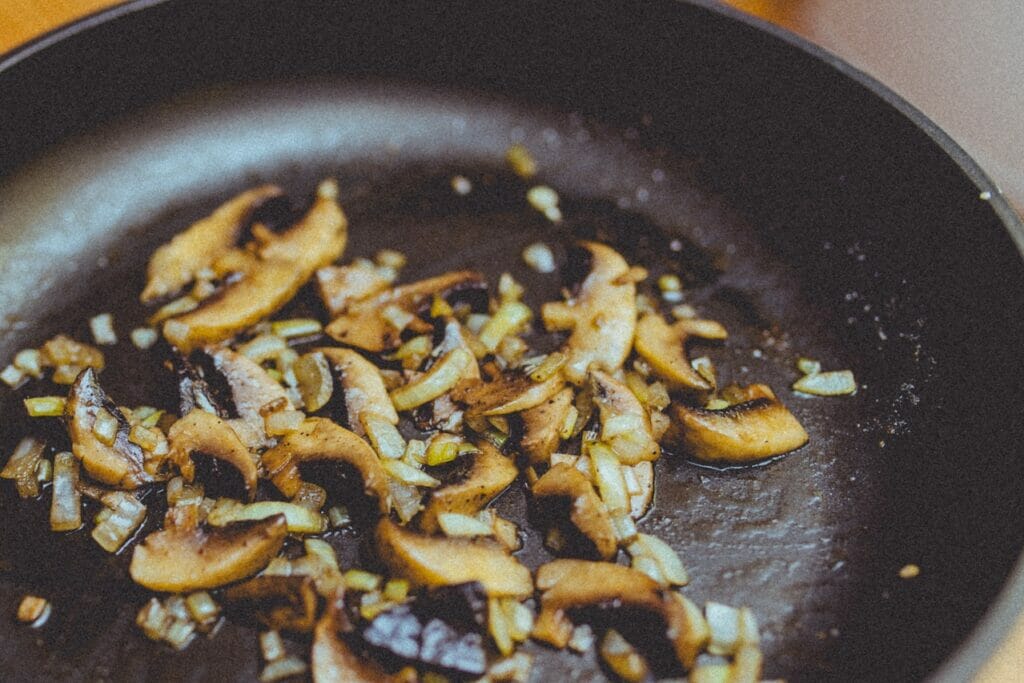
<point x="745" y="432"/>
<point x="182" y="559"/>
<point x="489" y="475"/>
<point x="286" y="603"/>
<point x="542" y="426"/>
<point x="121" y="463"/>
<point x="364" y="387"/>
<point x="586" y="511"/>
<point x="664" y="349"/>
<point x="602" y="316"/>
<point x="625" y="423"/>
<point x="268" y="280"/>
<point x="512" y="392"/>
<point x="361" y="324"/>
<point x="251" y="389"/>
<point x="203" y="432"/>
<point x="333" y="661"/>
<point x="176" y="263"/>
<point x="439" y="561"/>
<point x="320" y="440"/>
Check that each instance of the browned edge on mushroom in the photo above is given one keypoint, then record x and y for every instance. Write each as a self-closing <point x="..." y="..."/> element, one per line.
<point x="587" y="513"/>
<point x="489" y="475"/>
<point x="286" y="603"/>
<point x="202" y="432"/>
<point x="363" y="387"/>
<point x="542" y="426"/>
<point x="333" y="660"/>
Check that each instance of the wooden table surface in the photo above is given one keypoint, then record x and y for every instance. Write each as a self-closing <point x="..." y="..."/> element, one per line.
<point x="842" y="28"/>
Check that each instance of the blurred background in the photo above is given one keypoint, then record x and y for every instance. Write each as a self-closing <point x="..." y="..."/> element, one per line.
<point x="959" y="61"/>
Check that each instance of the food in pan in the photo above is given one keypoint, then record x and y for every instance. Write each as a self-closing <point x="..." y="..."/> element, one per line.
<point x="403" y="408"/>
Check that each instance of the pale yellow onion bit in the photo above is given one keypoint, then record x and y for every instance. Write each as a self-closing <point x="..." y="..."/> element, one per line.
<point x="440" y="379"/>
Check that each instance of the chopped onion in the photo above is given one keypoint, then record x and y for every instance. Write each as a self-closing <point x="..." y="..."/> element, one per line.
<point x="461" y="185"/>
<point x="125" y="515"/>
<point x="174" y="308"/>
<point x="102" y="327"/>
<point x="296" y="327"/>
<point x="310" y="496"/>
<point x="521" y="161"/>
<point x="699" y="327"/>
<point x="263" y="347"/>
<point x="510" y="318"/>
<point x="22" y="466"/>
<point x="396" y="590"/>
<point x="515" y="669"/>
<point x="539" y="257"/>
<point x="443" y="448"/>
<point x="437" y="381"/>
<point x="545" y="200"/>
<point x="498" y="625"/>
<point x="622" y="658"/>
<point x="280" y="669"/>
<point x="105" y="427"/>
<point x="359" y="580"/>
<point x="271" y="646"/>
<point x="608" y="476"/>
<point x="45" y="406"/>
<point x="144" y="337"/>
<point x="625" y="527"/>
<point x="283" y="422"/>
<point x="582" y="638"/>
<point x="551" y="364"/>
<point x="668" y="569"/>
<point x="29" y="361"/>
<point x="413" y="352"/>
<point x="12" y="376"/>
<point x="724" y="623"/>
<point x="315" y="383"/>
<point x="202" y="608"/>
<point x="705" y="368"/>
<point x="834" y="383"/>
<point x="456" y="524"/>
<point x="34" y="611"/>
<point x="384" y="436"/>
<point x="406" y="500"/>
<point x="300" y="520"/>
<point x="153" y="620"/>
<point x="66" y="504"/>
<point x="808" y="366"/>
<point x="407" y="474"/>
<point x="180" y="633"/>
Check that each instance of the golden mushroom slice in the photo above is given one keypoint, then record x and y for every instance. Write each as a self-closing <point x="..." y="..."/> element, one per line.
<point x="571" y="496"/>
<point x="568" y="585"/>
<point x="202" y="432"/>
<point x="286" y="603"/>
<point x="269" y="279"/>
<point x="489" y="475"/>
<point x="180" y="559"/>
<point x="176" y="263"/>
<point x="664" y="349"/>
<point x="251" y="389"/>
<point x="753" y="430"/>
<point x="439" y="561"/>
<point x="319" y="440"/>
<point x="543" y="426"/>
<point x="625" y="424"/>
<point x="512" y="392"/>
<point x="601" y="316"/>
<point x="115" y="461"/>
<point x="334" y="661"/>
<point x="364" y="388"/>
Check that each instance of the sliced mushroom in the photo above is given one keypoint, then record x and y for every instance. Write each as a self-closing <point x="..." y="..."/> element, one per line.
<point x="363" y="326"/>
<point x="180" y="559"/>
<point x="201" y="432"/>
<point x="489" y="475"/>
<point x="251" y="389"/>
<point x="570" y="585"/>
<point x="753" y="430"/>
<point x="625" y="424"/>
<point x="364" y="387"/>
<point x="119" y="464"/>
<point x="287" y="603"/>
<point x="268" y="279"/>
<point x="438" y="561"/>
<point x="334" y="661"/>
<point x="602" y="316"/>
<point x="176" y="263"/>
<point x="512" y="392"/>
<point x="543" y="425"/>
<point x="586" y="513"/>
<point x="664" y="349"/>
<point x="320" y="440"/>
<point x="341" y="286"/>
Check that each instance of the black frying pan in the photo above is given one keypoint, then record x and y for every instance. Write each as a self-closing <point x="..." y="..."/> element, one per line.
<point x="819" y="214"/>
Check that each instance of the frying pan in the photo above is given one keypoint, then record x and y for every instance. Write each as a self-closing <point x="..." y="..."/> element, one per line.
<point x="815" y="213"/>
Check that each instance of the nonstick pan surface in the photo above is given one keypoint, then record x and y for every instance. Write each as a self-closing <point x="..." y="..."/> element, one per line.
<point x="806" y="207"/>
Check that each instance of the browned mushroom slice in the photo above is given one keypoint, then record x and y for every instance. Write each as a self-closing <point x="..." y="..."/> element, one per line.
<point x="334" y="661"/>
<point x="251" y="389"/>
<point x="267" y="280"/>
<point x="565" y="484"/>
<point x="341" y="286"/>
<point x="179" y="559"/>
<point x="287" y="603"/>
<point x="543" y="426"/>
<point x="625" y="424"/>
<point x="602" y="316"/>
<point x="364" y="388"/>
<point x="119" y="463"/>
<point x="439" y="561"/>
<point x="176" y="263"/>
<point x="201" y="432"/>
<point x="664" y="349"/>
<point x="569" y="585"/>
<point x="745" y="432"/>
<point x="363" y="326"/>
<point x="320" y="440"/>
<point x="512" y="392"/>
<point x="489" y="475"/>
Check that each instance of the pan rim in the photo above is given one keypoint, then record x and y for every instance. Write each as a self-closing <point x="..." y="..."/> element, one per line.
<point x="1000" y="617"/>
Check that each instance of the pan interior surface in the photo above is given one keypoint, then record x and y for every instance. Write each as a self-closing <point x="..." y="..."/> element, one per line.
<point x="837" y="232"/>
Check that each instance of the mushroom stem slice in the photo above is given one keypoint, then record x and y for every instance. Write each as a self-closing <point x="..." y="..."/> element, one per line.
<point x="202" y="432"/>
<point x="513" y="392"/>
<point x="664" y="349"/>
<point x="542" y="426"/>
<point x="754" y="430"/>
<point x="119" y="464"/>
<point x="438" y="561"/>
<point x="489" y="475"/>
<point x="181" y="559"/>
<point x="625" y="423"/>
<point x="586" y="511"/>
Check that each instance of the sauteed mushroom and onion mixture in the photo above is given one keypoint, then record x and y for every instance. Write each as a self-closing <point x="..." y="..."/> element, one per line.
<point x="405" y="408"/>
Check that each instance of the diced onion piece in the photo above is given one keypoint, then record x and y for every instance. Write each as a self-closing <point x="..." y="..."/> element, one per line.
<point x="263" y="347"/>
<point x="125" y="516"/>
<point x="144" y="337"/>
<point x="180" y="633"/>
<point x="66" y="504"/>
<point x="443" y="448"/>
<point x="359" y="580"/>
<point x="29" y="361"/>
<point x="717" y="404"/>
<point x="521" y="162"/>
<point x="582" y="638"/>
<point x="624" y="526"/>
<point x="384" y="436"/>
<point x="396" y="590"/>
<point x="509" y="289"/>
<point x="396" y="316"/>
<point x="12" y="376"/>
<point x="711" y="673"/>
<point x="299" y="520"/>
<point x="174" y="308"/>
<point x="498" y="626"/>
<point x="102" y="327"/>
<point x="178" y="492"/>
<point x="148" y="439"/>
<point x="746" y="665"/>
<point x="45" y="406"/>
<point x="202" y="608"/>
<point x="455" y="524"/>
<point x="748" y="627"/>
<point x="808" y="366"/>
<point x="510" y="318"/>
<point x="439" y="308"/>
<point x="105" y="427"/>
<point x="339" y="516"/>
<point x="461" y="185"/>
<point x="670" y="569"/>
<point x="413" y="352"/>
<point x="608" y="476"/>
<point x="153" y="620"/>
<point x="705" y="368"/>
<point x="296" y="327"/>
<point x="539" y="257"/>
<point x="724" y="623"/>
<point x="271" y="646"/>
<point x="434" y="383"/>
<point x="834" y="383"/>
<point x="22" y="466"/>
<point x="515" y="669"/>
<point x="545" y="200"/>
<point x="33" y="610"/>
<point x="44" y="471"/>
<point x="281" y="422"/>
<point x="310" y="496"/>
<point x="406" y="500"/>
<point x="315" y="383"/>
<point x="622" y="658"/>
<point x="286" y="667"/>
<point x="670" y="283"/>
<point x="551" y="364"/>
<point x="415" y="452"/>
<point x="407" y="474"/>
<point x="700" y="327"/>
<point x="511" y="349"/>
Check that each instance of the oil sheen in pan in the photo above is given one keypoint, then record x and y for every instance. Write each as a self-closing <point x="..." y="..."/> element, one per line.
<point x="783" y="539"/>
